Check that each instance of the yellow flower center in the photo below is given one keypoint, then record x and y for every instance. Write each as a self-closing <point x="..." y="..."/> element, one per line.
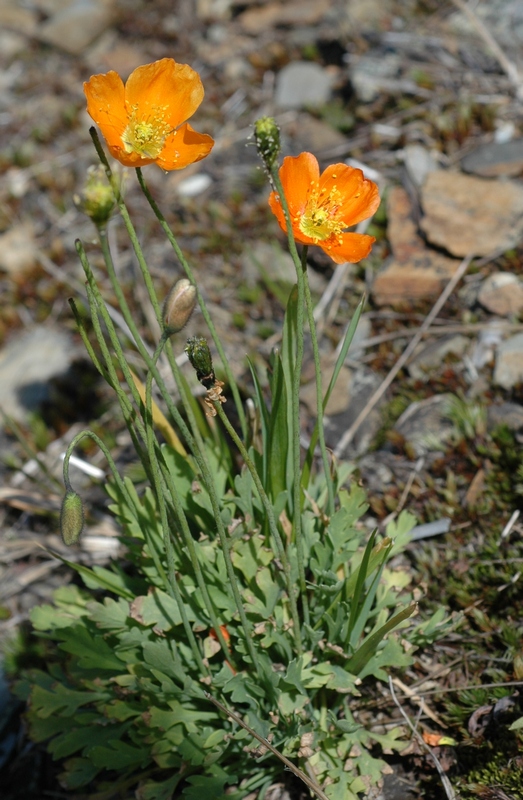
<point x="320" y="219"/>
<point x="146" y="137"/>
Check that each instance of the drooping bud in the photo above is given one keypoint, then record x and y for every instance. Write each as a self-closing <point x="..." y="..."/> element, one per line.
<point x="71" y="517"/>
<point x="200" y="357"/>
<point x="267" y="136"/>
<point x="97" y="198"/>
<point x="179" y="305"/>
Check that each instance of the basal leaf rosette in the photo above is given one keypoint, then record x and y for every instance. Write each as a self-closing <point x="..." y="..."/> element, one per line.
<point x="322" y="207"/>
<point x="145" y="120"/>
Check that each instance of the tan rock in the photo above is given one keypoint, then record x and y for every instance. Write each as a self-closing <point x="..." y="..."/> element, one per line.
<point x="18" y="249"/>
<point x="415" y="271"/>
<point x="502" y="294"/>
<point x="307" y="12"/>
<point x="465" y="214"/>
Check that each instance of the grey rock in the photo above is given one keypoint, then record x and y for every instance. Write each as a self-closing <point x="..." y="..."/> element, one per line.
<point x="418" y="162"/>
<point x="26" y="365"/>
<point x="495" y="159"/>
<point x="303" y="83"/>
<point x="509" y="362"/>
<point x="369" y="74"/>
<point x="509" y="414"/>
<point x="433" y="354"/>
<point x="362" y="385"/>
<point x="425" y="425"/>
<point x="74" y="28"/>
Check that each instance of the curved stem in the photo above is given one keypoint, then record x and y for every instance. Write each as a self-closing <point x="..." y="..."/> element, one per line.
<point x="210" y="324"/>
<point x="296" y="384"/>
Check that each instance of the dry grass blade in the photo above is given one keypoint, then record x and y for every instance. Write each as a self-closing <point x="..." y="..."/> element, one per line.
<point x="349" y="434"/>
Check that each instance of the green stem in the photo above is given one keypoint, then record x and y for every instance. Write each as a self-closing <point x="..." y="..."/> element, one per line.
<point x="296" y="428"/>
<point x="319" y="390"/>
<point x="160" y="478"/>
<point x="269" y="510"/>
<point x="210" y="324"/>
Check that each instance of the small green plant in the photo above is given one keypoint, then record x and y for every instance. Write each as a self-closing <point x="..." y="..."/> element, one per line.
<point x="251" y="601"/>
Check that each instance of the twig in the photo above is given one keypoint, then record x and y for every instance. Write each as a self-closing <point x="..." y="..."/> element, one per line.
<point x="449" y="791"/>
<point x="402" y="360"/>
<point x="313" y="786"/>
<point x="508" y="66"/>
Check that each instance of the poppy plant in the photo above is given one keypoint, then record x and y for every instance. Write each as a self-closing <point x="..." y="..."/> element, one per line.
<point x="144" y="121"/>
<point x="322" y="207"/>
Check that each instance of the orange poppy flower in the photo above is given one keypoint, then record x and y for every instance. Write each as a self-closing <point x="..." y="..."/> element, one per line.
<point x="322" y="206"/>
<point x="144" y="122"/>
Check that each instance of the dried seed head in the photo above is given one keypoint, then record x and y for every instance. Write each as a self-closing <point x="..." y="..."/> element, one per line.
<point x="71" y="517"/>
<point x="200" y="357"/>
<point x="179" y="305"/>
<point x="267" y="136"/>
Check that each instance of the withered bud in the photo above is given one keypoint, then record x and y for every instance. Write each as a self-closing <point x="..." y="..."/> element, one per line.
<point x="267" y="136"/>
<point x="200" y="357"/>
<point x="179" y="305"/>
<point x="71" y="517"/>
<point x="97" y="198"/>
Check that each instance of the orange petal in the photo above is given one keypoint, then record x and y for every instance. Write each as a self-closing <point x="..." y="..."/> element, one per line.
<point x="174" y="88"/>
<point x="106" y="105"/>
<point x="360" y="195"/>
<point x="183" y="147"/>
<point x="297" y="174"/>
<point x="350" y="247"/>
<point x="129" y="159"/>
<point x="277" y="210"/>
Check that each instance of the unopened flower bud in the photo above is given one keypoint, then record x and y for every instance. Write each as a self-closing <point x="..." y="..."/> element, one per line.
<point x="97" y="198"/>
<point x="267" y="136"/>
<point x="179" y="305"/>
<point x="199" y="355"/>
<point x="71" y="517"/>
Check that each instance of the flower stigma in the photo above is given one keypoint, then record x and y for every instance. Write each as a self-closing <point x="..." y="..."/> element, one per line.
<point x="320" y="219"/>
<point x="146" y="136"/>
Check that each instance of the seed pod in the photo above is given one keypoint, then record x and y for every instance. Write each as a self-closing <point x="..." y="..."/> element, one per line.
<point x="97" y="198"/>
<point x="179" y="305"/>
<point x="267" y="136"/>
<point x="71" y="517"/>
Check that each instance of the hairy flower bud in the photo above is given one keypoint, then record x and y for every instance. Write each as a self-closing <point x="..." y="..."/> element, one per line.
<point x="199" y="355"/>
<point x="179" y="305"/>
<point x="71" y="517"/>
<point x="267" y="136"/>
<point x="97" y="198"/>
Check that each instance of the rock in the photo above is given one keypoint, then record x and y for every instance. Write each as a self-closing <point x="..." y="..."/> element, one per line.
<point x="502" y="294"/>
<point x="425" y="426"/>
<point x="509" y="414"/>
<point x="508" y="371"/>
<point x="303" y="83"/>
<point x="465" y="214"/>
<point x="487" y="343"/>
<point x="359" y="387"/>
<point x="418" y="162"/>
<point x="74" y="28"/>
<point x="369" y="15"/>
<point x="259" y="19"/>
<point x="18" y="249"/>
<point x="415" y="271"/>
<point x="11" y="43"/>
<point x="15" y="18"/>
<point x="27" y="363"/>
<point x="495" y="160"/>
<point x="194" y="184"/>
<point x="369" y="73"/>
<point x="433" y="355"/>
<point x="313" y="135"/>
